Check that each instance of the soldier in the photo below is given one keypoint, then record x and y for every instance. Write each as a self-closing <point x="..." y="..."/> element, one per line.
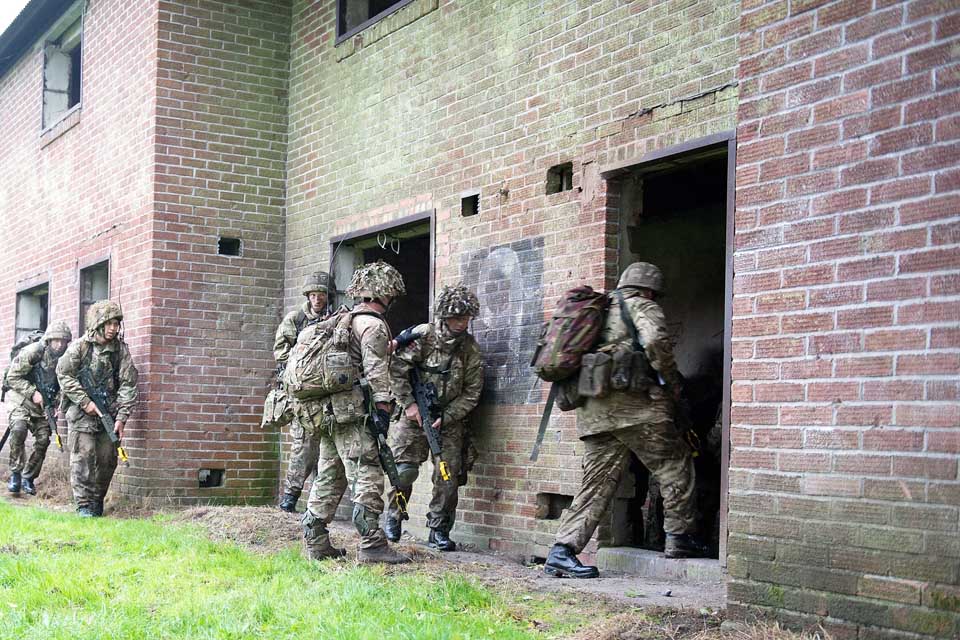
<point x="448" y="357"/>
<point x="28" y="405"/>
<point x="306" y="441"/>
<point x="102" y="352"/>
<point x="638" y="419"/>
<point x="348" y="452"/>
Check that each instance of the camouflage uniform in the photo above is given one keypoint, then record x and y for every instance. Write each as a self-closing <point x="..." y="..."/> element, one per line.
<point x="305" y="445"/>
<point x="348" y="453"/>
<point x="27" y="415"/>
<point x="93" y="457"/>
<point x="624" y="421"/>
<point x="454" y="365"/>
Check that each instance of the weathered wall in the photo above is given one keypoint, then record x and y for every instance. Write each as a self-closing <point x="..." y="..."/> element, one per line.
<point x="447" y="96"/>
<point x="843" y="484"/>
<point x="83" y="192"/>
<point x="220" y="148"/>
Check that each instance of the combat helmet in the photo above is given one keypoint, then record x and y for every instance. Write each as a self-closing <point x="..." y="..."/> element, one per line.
<point x="376" y="280"/>
<point x="457" y="301"/>
<point x="102" y="312"/>
<point x="317" y="281"/>
<point x="58" y="331"/>
<point x="642" y="274"/>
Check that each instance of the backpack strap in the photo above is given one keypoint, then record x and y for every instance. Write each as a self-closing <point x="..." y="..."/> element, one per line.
<point x="627" y="320"/>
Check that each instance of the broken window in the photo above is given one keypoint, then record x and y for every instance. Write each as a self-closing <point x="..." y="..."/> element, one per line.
<point x="32" y="306"/>
<point x="560" y="178"/>
<point x="354" y="16"/>
<point x="94" y="285"/>
<point x="62" y="62"/>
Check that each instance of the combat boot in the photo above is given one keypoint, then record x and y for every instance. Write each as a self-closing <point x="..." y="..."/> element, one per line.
<point x="440" y="539"/>
<point x="323" y="550"/>
<point x="85" y="512"/>
<point x="14" y="485"/>
<point x="562" y="562"/>
<point x="381" y="555"/>
<point x="28" y="486"/>
<point x="684" y="545"/>
<point x="392" y="529"/>
<point x="289" y="501"/>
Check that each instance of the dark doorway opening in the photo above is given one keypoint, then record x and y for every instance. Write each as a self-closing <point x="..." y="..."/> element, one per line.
<point x="406" y="245"/>
<point x="673" y="213"/>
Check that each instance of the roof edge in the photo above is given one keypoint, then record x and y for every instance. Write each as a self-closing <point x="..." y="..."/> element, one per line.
<point x="31" y="23"/>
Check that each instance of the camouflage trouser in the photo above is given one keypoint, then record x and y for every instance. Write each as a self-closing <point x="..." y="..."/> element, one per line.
<point x="661" y="449"/>
<point x="303" y="456"/>
<point x="20" y="423"/>
<point x="93" y="459"/>
<point x="348" y="453"/>
<point x="410" y="449"/>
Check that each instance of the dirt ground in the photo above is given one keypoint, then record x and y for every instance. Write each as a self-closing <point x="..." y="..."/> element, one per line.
<point x="618" y="606"/>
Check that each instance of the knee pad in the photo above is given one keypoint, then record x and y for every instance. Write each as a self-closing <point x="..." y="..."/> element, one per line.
<point x="364" y="519"/>
<point x="408" y="473"/>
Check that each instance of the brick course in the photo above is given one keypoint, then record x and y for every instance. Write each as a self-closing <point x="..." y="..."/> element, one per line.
<point x="861" y="185"/>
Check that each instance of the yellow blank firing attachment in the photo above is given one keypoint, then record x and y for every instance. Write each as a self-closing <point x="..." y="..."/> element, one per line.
<point x="444" y="471"/>
<point x="401" y="502"/>
<point x="122" y="454"/>
<point x="59" y="441"/>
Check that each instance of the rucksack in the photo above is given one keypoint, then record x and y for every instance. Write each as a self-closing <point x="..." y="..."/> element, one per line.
<point x="31" y="338"/>
<point x="573" y="330"/>
<point x="320" y="364"/>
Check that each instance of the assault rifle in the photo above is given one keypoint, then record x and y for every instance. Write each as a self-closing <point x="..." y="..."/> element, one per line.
<point x="425" y="394"/>
<point x="378" y="424"/>
<point x="98" y="395"/>
<point x="48" y="391"/>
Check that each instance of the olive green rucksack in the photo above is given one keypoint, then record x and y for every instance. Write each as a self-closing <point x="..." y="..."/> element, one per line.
<point x="31" y="338"/>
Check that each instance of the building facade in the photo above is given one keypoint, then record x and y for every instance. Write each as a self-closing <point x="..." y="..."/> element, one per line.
<point x="792" y="167"/>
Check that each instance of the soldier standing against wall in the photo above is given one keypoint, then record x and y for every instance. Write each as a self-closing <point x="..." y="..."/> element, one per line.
<point x="28" y="405"/>
<point x="448" y="357"/>
<point x="348" y="451"/>
<point x="306" y="440"/>
<point x="103" y="358"/>
<point x="639" y="419"/>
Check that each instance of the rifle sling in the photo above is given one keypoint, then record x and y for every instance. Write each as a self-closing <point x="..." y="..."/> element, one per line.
<point x="547" y="410"/>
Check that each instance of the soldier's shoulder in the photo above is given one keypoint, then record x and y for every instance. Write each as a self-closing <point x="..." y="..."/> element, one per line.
<point x="292" y="316"/>
<point x="33" y="351"/>
<point x="364" y="320"/>
<point x="470" y="344"/>
<point x="650" y="311"/>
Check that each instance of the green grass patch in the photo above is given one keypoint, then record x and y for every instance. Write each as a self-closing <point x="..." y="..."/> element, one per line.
<point x="63" y="577"/>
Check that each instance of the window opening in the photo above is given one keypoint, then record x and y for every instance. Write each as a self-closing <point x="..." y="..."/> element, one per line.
<point x="354" y="16"/>
<point x="62" y="67"/>
<point x="470" y="205"/>
<point x="228" y="246"/>
<point x="32" y="309"/>
<point x="560" y="178"/>
<point x="551" y="505"/>
<point x="409" y="249"/>
<point x="94" y="286"/>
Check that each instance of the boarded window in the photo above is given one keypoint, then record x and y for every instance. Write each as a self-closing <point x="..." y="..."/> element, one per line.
<point x="94" y="285"/>
<point x="62" y="63"/>
<point x="355" y="15"/>
<point x="32" y="308"/>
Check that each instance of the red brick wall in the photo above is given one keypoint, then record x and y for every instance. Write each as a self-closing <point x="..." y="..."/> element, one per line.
<point x="448" y="96"/>
<point x="220" y="150"/>
<point x="86" y="195"/>
<point x="843" y="484"/>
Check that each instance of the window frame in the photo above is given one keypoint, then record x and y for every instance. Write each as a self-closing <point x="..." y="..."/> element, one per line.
<point x="369" y="22"/>
<point x="31" y="290"/>
<point x="70" y="24"/>
<point x="87" y="268"/>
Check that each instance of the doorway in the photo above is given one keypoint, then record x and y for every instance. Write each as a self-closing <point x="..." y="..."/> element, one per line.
<point x="407" y="245"/>
<point x="674" y="211"/>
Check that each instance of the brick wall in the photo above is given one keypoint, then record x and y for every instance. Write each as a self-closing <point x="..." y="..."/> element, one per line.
<point x="843" y="484"/>
<point x="83" y="193"/>
<point x="449" y="96"/>
<point x="220" y="150"/>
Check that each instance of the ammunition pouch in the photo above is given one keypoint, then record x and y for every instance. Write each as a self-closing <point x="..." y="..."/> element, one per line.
<point x="568" y="396"/>
<point x="594" y="381"/>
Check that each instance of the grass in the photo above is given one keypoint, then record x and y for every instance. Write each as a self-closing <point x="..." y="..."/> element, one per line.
<point x="62" y="577"/>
